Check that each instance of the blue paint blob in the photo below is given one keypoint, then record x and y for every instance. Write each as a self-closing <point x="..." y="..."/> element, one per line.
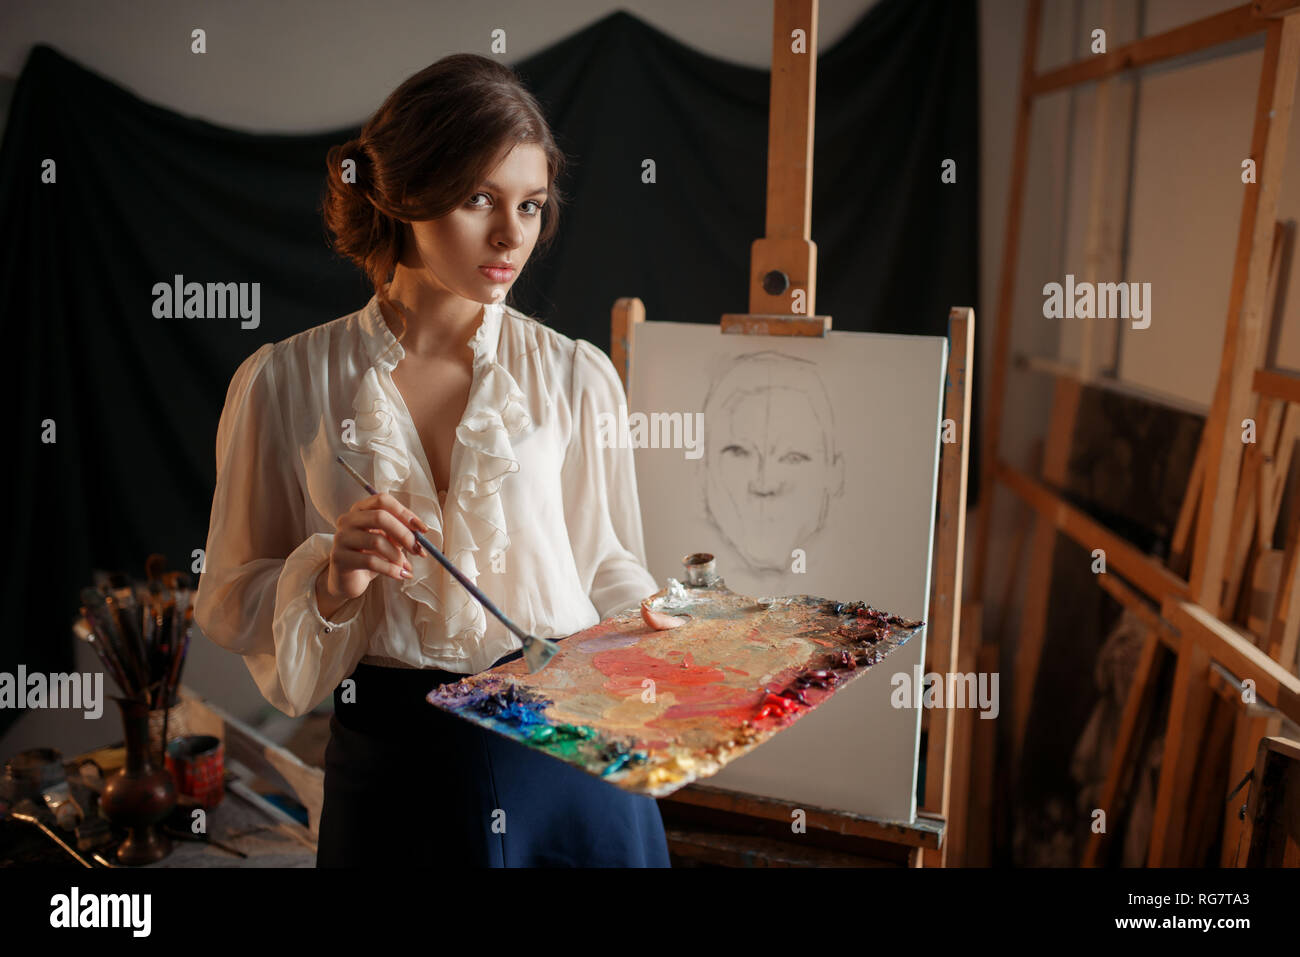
<point x="510" y="706"/>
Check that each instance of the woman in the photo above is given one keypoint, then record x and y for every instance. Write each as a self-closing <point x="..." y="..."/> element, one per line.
<point x="478" y="426"/>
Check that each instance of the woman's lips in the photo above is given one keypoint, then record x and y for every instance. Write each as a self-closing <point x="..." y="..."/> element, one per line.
<point x="497" y="275"/>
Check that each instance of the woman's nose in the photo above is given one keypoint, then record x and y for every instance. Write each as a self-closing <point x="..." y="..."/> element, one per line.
<point x="509" y="233"/>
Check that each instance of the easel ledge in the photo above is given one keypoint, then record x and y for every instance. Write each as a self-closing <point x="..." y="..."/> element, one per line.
<point x="713" y="826"/>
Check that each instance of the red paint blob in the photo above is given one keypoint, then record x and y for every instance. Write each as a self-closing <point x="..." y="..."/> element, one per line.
<point x="697" y="689"/>
<point x="626" y="668"/>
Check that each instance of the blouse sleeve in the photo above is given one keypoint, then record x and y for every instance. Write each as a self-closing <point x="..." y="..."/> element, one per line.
<point x="257" y="592"/>
<point x="601" y="507"/>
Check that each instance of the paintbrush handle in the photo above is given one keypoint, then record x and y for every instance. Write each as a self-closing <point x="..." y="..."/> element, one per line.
<point x="443" y="560"/>
<point x="100" y="646"/>
<point x="111" y="624"/>
<point x="178" y="661"/>
<point x="471" y="587"/>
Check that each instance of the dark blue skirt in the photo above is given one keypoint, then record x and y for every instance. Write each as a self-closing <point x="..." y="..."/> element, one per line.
<point x="409" y="785"/>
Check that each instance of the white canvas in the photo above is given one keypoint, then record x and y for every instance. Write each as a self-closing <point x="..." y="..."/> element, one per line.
<point x="851" y="428"/>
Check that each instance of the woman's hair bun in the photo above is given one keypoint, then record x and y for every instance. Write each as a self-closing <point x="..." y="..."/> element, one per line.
<point x="355" y="151"/>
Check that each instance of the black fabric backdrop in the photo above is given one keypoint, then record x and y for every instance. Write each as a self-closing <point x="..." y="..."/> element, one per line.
<point x="143" y="193"/>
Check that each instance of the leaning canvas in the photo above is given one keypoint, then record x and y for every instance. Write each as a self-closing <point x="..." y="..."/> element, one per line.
<point x="807" y="466"/>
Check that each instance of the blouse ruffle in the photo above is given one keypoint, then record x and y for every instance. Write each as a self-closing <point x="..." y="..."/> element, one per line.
<point x="450" y="622"/>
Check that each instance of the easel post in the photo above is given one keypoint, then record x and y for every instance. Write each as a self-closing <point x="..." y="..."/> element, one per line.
<point x="944" y="631"/>
<point x="783" y="264"/>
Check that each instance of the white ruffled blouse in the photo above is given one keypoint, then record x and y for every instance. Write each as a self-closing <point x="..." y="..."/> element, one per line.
<point x="541" y="517"/>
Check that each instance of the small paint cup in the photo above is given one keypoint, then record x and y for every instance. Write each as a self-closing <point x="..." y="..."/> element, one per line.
<point x="197" y="765"/>
<point x="699" y="568"/>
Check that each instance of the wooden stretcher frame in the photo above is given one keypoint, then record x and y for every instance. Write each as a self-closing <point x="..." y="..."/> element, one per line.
<point x="1265" y="841"/>
<point x="1196" y="601"/>
<point x="785" y="259"/>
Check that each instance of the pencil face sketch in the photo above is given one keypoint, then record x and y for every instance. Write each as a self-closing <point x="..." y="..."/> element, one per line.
<point x="770" y="464"/>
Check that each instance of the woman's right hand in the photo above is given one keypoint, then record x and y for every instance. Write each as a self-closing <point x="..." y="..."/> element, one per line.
<point x="370" y="539"/>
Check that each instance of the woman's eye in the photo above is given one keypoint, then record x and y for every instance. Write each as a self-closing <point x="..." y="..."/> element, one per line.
<point x="529" y="202"/>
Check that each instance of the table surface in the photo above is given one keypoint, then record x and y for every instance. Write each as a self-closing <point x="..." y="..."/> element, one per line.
<point x="242" y="825"/>
<point x="237" y="821"/>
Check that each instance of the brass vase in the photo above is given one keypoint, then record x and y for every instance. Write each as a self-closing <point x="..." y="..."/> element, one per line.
<point x="142" y="794"/>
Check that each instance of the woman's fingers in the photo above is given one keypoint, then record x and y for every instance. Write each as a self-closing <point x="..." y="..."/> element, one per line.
<point x="407" y="517"/>
<point x="388" y="523"/>
<point x="349" y="560"/>
<point x="363" y="540"/>
<point x="373" y="533"/>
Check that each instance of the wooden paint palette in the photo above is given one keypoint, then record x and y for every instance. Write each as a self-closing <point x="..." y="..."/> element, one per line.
<point x="651" y="711"/>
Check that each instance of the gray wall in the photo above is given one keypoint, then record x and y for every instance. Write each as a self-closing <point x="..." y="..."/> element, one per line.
<point x="312" y="65"/>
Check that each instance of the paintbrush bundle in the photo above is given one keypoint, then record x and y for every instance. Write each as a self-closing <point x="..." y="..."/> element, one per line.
<point x="140" y="631"/>
<point x="651" y="708"/>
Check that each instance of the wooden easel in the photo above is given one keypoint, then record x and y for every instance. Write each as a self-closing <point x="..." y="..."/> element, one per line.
<point x="716" y="826"/>
<point x="1258" y="470"/>
<point x="1185" y="615"/>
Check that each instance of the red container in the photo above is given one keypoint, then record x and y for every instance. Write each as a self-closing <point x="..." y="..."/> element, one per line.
<point x="197" y="765"/>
